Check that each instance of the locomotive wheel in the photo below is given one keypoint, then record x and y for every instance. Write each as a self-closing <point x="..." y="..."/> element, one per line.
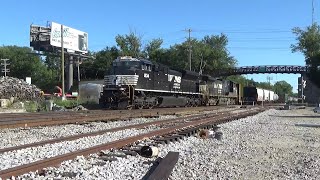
<point x="140" y="106"/>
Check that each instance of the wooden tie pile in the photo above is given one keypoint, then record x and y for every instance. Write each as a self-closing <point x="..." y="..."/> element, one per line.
<point x="18" y="89"/>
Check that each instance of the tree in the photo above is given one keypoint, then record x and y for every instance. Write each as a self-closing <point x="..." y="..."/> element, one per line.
<point x="282" y="87"/>
<point x="96" y="68"/>
<point x="129" y="44"/>
<point x="153" y="50"/>
<point x="309" y="44"/>
<point x="264" y="85"/>
<point x="23" y="63"/>
<point x="308" y="41"/>
<point x="208" y="55"/>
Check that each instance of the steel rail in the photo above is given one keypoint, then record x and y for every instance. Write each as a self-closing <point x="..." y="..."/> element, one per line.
<point x="39" y="165"/>
<point x="86" y="117"/>
<point x="142" y="125"/>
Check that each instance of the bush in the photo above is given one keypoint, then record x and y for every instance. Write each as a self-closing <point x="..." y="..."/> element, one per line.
<point x="33" y="106"/>
<point x="67" y="103"/>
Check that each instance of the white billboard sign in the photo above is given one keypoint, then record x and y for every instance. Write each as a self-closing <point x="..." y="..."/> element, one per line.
<point x="72" y="39"/>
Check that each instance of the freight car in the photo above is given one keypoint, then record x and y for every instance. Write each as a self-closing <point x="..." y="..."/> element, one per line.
<point x="258" y="95"/>
<point x="138" y="83"/>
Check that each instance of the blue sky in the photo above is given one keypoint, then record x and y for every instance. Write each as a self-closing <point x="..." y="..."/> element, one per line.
<point x="259" y="31"/>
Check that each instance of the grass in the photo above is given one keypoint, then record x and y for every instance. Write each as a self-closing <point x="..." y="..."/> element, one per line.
<point x="71" y="103"/>
<point x="32" y="106"/>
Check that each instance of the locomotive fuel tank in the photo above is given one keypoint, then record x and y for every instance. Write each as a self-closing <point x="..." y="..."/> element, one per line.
<point x="172" y="101"/>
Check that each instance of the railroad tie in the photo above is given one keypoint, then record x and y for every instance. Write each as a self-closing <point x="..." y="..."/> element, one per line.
<point x="165" y="167"/>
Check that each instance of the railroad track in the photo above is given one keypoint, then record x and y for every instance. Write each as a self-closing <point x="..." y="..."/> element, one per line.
<point x="177" y="127"/>
<point x="161" y="123"/>
<point x="17" y="120"/>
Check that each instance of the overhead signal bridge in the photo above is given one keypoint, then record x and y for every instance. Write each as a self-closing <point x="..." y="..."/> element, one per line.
<point x="283" y="69"/>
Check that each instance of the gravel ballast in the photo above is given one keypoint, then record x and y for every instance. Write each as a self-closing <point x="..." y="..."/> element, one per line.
<point x="265" y="146"/>
<point x="20" y="136"/>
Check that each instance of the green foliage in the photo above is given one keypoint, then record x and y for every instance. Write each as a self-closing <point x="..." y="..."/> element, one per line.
<point x="308" y="41"/>
<point x="129" y="44"/>
<point x="282" y="87"/>
<point x="153" y="50"/>
<point x="67" y="103"/>
<point x="309" y="44"/>
<point x="31" y="106"/>
<point x="209" y="55"/>
<point x="264" y="85"/>
<point x="96" y="68"/>
<point x="25" y="64"/>
<point x="242" y="80"/>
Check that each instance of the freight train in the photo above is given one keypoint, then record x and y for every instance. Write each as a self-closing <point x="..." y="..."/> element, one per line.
<point x="139" y="83"/>
<point x="258" y="95"/>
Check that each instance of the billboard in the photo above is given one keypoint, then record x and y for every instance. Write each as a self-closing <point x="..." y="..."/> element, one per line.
<point x="72" y="39"/>
<point x="40" y="38"/>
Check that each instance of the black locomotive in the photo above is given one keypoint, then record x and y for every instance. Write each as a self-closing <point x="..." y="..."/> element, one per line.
<point x="139" y="83"/>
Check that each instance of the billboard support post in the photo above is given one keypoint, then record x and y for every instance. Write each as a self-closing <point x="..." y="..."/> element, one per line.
<point x="62" y="64"/>
<point x="70" y="72"/>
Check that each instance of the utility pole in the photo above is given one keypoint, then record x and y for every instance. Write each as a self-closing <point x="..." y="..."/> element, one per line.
<point x="5" y="64"/>
<point x="62" y="63"/>
<point x="189" y="42"/>
<point x="312" y="12"/>
<point x="268" y="79"/>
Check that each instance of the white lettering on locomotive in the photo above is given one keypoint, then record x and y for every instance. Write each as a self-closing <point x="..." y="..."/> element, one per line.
<point x="146" y="75"/>
<point x="176" y="80"/>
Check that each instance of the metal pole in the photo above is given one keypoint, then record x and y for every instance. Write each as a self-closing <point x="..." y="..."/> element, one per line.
<point x="302" y="84"/>
<point x="312" y="12"/>
<point x="5" y="64"/>
<point x="70" y="72"/>
<point x="189" y="30"/>
<point x="62" y="64"/>
<point x="78" y="78"/>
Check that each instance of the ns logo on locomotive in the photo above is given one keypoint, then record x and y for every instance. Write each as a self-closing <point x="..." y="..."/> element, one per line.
<point x="138" y="83"/>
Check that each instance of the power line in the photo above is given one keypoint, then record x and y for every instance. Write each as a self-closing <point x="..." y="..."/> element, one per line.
<point x="244" y="31"/>
<point x="260" y="48"/>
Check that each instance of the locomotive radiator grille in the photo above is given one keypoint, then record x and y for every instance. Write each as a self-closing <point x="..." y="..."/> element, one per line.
<point x="120" y="80"/>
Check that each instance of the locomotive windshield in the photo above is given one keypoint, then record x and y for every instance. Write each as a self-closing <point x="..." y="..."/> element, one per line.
<point x="126" y="64"/>
<point x="124" y="67"/>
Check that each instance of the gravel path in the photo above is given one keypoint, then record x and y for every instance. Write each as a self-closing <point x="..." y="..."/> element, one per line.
<point x="265" y="146"/>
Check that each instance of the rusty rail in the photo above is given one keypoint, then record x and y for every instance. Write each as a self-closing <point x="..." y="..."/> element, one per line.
<point x="142" y="125"/>
<point x="26" y="120"/>
<point x="39" y="165"/>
